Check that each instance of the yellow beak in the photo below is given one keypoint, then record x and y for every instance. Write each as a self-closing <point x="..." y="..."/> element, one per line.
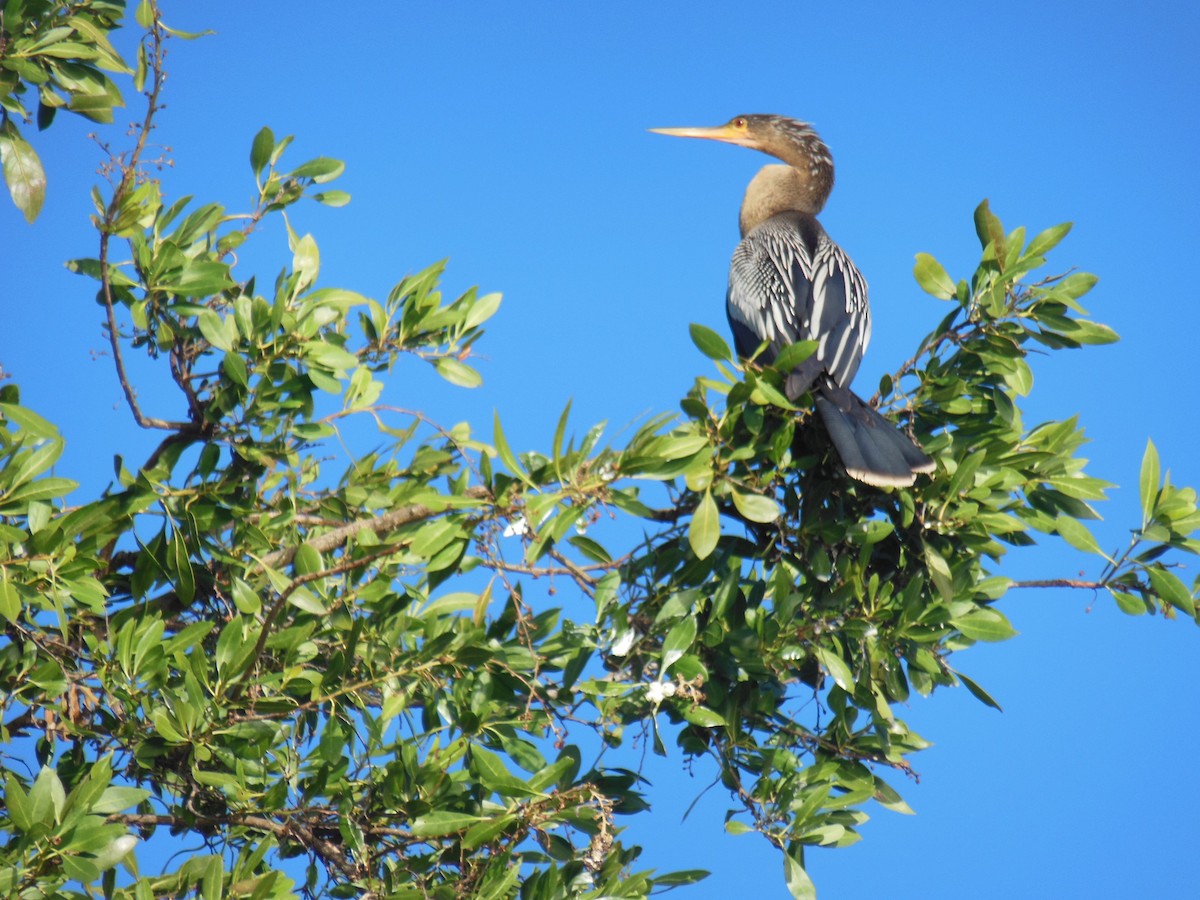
<point x="728" y="133"/>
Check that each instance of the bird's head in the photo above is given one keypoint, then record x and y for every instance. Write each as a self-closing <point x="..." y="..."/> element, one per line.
<point x="790" y="140"/>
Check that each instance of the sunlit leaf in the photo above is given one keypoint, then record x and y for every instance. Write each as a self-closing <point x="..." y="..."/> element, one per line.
<point x="1149" y="480"/>
<point x="705" y="528"/>
<point x="23" y="172"/>
<point x="710" y="343"/>
<point x="932" y="277"/>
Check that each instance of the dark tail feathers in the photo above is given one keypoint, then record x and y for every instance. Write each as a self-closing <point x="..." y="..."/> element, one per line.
<point x="872" y="449"/>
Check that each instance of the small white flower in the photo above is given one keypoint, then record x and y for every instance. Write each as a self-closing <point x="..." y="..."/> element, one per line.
<point x="668" y="689"/>
<point x="581" y="525"/>
<point x="871" y="631"/>
<point x="607" y="472"/>
<point x="625" y="643"/>
<point x="655" y="693"/>
<point x="517" y="527"/>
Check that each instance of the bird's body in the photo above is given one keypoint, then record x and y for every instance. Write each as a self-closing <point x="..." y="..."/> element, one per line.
<point x="790" y="282"/>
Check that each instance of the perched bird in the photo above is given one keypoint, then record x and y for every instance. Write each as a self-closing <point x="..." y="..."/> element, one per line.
<point x="790" y="282"/>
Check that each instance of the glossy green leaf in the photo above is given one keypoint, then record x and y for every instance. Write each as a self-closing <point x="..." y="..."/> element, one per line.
<point x="118" y="799"/>
<point x="1077" y="535"/>
<point x="320" y="170"/>
<point x="710" y="343"/>
<point x="799" y="884"/>
<point x="438" y="823"/>
<point x="794" y="354"/>
<point x="989" y="230"/>
<point x="10" y="601"/>
<point x="932" y="277"/>
<point x="505" y="452"/>
<point x="306" y="261"/>
<point x="703" y="717"/>
<point x="23" y="172"/>
<point x="985" y="624"/>
<point x="678" y="641"/>
<point x="978" y="692"/>
<point x="1149" y="480"/>
<point x="16" y="802"/>
<point x="260" y="150"/>
<point x="837" y="669"/>
<point x="1047" y="240"/>
<point x="705" y="528"/>
<point x="1076" y="284"/>
<point x="755" y="507"/>
<point x="1170" y="588"/>
<point x="457" y="372"/>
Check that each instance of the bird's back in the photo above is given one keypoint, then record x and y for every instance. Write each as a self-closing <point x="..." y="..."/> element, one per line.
<point x="790" y="282"/>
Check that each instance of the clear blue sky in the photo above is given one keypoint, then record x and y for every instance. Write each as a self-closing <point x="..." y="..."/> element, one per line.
<point x="511" y="138"/>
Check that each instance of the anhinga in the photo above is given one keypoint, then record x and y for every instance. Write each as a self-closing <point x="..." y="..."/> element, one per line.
<point x="789" y="282"/>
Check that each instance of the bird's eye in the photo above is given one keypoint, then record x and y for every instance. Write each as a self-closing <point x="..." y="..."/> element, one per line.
<point x="739" y="122"/>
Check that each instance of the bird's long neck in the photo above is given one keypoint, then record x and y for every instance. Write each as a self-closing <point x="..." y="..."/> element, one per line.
<point x="777" y="189"/>
<point x="803" y="185"/>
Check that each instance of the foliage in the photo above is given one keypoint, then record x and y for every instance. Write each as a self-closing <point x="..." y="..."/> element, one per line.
<point x="346" y="684"/>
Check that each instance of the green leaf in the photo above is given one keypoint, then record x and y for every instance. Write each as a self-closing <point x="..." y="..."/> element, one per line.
<point x="684" y="876"/>
<point x="306" y="260"/>
<point x="47" y="797"/>
<point x="703" y="717"/>
<point x="1093" y="333"/>
<point x="494" y="775"/>
<point x="837" y="669"/>
<point x="435" y="824"/>
<point x="984" y="624"/>
<point x="1169" y="587"/>
<point x="798" y="882"/>
<point x="16" y="801"/>
<point x="199" y="278"/>
<point x="234" y="367"/>
<point x="1130" y="604"/>
<point x="1076" y="284"/>
<point x="260" y="150"/>
<point x="332" y="199"/>
<point x="989" y="230"/>
<point x="483" y="832"/>
<point x="1149" y="481"/>
<point x="212" y="327"/>
<point x="932" y="277"/>
<point x="181" y="569"/>
<point x="42" y="489"/>
<point x="10" y="601"/>
<point x="320" y="170"/>
<point x="482" y="310"/>
<point x="755" y="507"/>
<point x="710" y="343"/>
<point x="794" y="354"/>
<point x="28" y="420"/>
<point x="23" y="172"/>
<point x="705" y="528"/>
<point x="1047" y="240"/>
<point x="505" y="452"/>
<point x="979" y="693"/>
<point x="457" y="373"/>
<point x="1077" y="534"/>
<point x="678" y="641"/>
<point x="117" y="799"/>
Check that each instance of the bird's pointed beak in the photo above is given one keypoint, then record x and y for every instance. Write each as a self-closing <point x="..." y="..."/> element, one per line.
<point x="726" y="133"/>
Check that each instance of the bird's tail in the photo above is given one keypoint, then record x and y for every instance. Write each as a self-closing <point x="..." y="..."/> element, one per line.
<point x="872" y="449"/>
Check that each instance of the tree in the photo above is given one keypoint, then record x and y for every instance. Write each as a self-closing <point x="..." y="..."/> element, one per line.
<point x="346" y="684"/>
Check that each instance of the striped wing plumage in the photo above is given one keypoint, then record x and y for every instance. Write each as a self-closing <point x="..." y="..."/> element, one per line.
<point x="789" y="282"/>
